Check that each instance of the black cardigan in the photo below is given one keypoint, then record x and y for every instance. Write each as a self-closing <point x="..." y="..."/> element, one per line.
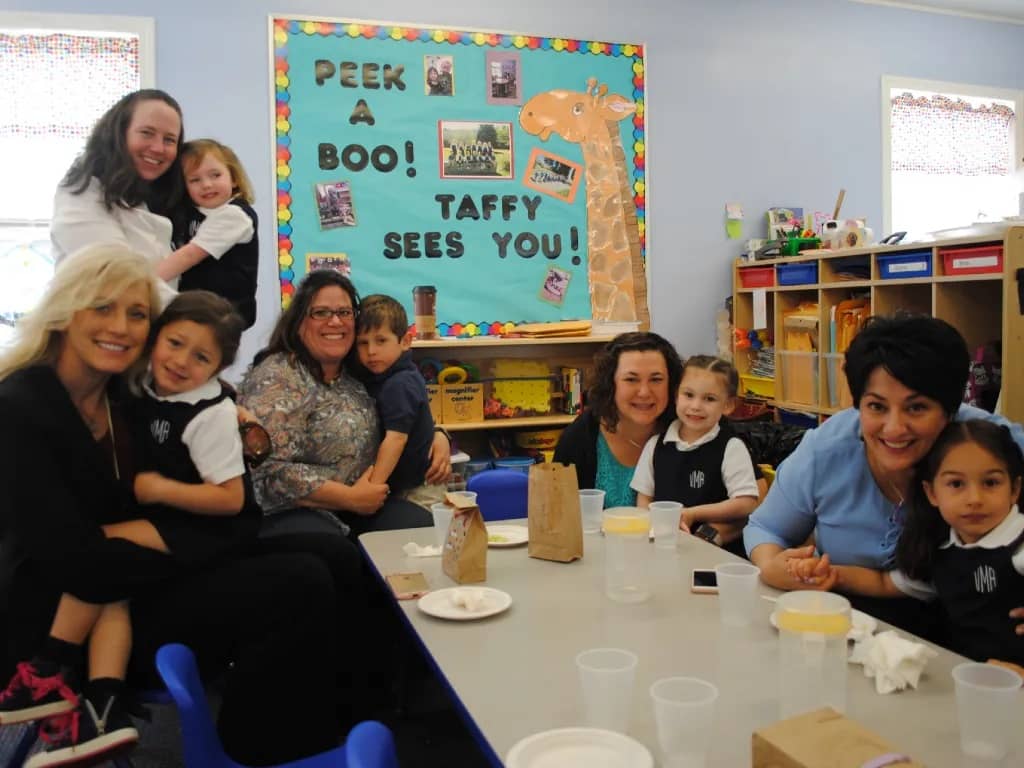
<point x="57" y="488"/>
<point x="578" y="445"/>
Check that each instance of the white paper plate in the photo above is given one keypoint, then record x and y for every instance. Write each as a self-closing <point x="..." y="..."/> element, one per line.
<point x="439" y="603"/>
<point x="507" y="535"/>
<point x="861" y="625"/>
<point x="578" y="748"/>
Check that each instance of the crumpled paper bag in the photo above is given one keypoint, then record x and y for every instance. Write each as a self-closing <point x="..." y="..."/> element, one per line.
<point x="893" y="661"/>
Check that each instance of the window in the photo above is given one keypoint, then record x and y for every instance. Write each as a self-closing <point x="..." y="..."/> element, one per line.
<point x="951" y="154"/>
<point x="59" y="73"/>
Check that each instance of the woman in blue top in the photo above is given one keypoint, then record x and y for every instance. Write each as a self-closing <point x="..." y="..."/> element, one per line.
<point x="632" y="398"/>
<point x="849" y="480"/>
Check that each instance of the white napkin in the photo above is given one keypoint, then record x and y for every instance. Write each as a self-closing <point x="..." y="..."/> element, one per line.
<point x="415" y="550"/>
<point x="469" y="598"/>
<point x="893" y="661"/>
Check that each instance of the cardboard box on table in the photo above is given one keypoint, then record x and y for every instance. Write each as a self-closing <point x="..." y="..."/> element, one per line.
<point x="820" y="739"/>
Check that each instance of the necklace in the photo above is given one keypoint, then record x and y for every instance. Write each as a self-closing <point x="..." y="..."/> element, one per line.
<point x="113" y="440"/>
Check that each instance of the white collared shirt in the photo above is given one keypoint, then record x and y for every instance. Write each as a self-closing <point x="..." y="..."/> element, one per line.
<point x="1002" y="535"/>
<point x="737" y="466"/>
<point x="212" y="437"/>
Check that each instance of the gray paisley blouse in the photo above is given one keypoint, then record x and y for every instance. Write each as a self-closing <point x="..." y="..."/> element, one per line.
<point x="320" y="431"/>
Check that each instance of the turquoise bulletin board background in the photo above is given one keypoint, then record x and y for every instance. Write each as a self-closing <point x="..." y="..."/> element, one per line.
<point x="366" y="177"/>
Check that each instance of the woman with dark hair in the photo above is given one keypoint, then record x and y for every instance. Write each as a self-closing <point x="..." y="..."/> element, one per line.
<point x="323" y="424"/>
<point x="849" y="481"/>
<point x="127" y="185"/>
<point x="631" y="399"/>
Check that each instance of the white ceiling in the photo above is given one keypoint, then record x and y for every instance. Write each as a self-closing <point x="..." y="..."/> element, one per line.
<point x="998" y="10"/>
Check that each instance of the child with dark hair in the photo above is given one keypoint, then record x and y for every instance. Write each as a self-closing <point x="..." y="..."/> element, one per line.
<point x="963" y="541"/>
<point x="197" y="492"/>
<point x="698" y="460"/>
<point x="395" y="383"/>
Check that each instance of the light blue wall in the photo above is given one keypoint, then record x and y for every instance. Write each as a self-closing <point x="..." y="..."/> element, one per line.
<point x="765" y="102"/>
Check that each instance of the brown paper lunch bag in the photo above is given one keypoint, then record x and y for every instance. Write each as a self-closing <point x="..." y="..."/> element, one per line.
<point x="464" y="557"/>
<point x="556" y="530"/>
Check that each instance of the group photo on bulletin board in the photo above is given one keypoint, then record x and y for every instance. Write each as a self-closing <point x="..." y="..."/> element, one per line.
<point x="506" y="171"/>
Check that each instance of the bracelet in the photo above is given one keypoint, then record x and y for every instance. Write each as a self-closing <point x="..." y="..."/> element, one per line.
<point x="443" y="431"/>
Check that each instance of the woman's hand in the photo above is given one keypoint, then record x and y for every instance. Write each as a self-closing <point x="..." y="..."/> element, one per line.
<point x="365" y="496"/>
<point x="774" y="562"/>
<point x="440" y="456"/>
<point x="813" y="572"/>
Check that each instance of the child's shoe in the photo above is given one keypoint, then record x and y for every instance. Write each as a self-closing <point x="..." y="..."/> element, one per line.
<point x="32" y="696"/>
<point x="85" y="736"/>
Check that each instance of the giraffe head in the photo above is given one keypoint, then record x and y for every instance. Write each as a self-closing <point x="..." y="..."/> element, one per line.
<point x="574" y="116"/>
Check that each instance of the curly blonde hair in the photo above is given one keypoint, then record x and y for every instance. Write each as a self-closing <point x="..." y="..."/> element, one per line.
<point x="87" y="278"/>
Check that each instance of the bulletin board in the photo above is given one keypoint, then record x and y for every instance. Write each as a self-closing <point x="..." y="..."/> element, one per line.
<point x="506" y="171"/>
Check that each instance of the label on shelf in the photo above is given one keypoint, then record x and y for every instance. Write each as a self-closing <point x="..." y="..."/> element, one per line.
<point x="911" y="266"/>
<point x="976" y="261"/>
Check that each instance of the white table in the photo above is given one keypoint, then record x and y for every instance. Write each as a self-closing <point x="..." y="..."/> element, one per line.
<point x="514" y="674"/>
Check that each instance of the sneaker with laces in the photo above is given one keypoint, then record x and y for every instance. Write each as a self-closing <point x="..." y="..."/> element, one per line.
<point x="85" y="736"/>
<point x="30" y="696"/>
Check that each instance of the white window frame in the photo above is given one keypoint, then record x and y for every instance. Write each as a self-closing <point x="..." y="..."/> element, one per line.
<point x="890" y="82"/>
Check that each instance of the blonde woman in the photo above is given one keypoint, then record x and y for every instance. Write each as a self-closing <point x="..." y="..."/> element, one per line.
<point x="73" y="550"/>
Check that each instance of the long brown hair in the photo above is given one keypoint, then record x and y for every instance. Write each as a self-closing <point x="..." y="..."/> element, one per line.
<point x="286" y="338"/>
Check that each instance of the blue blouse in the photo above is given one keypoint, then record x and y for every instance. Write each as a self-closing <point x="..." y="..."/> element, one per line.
<point x="613" y="477"/>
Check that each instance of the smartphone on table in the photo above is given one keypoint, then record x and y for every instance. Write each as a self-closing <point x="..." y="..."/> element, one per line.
<point x="704" y="581"/>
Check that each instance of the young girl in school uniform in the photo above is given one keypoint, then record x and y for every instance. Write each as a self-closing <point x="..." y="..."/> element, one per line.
<point x="698" y="460"/>
<point x="963" y="542"/>
<point x="222" y="197"/>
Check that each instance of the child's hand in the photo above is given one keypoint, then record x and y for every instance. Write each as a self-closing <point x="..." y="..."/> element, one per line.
<point x="148" y="487"/>
<point x="686" y="520"/>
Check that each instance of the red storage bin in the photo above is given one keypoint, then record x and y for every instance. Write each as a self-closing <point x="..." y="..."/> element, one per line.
<point x="757" y="277"/>
<point x="972" y="261"/>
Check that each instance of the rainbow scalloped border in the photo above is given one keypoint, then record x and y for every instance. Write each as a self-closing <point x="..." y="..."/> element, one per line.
<point x="284" y="27"/>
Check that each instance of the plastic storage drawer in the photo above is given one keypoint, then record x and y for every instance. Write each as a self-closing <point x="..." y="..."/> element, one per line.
<point x="757" y="277"/>
<point x="897" y="266"/>
<point x="972" y="261"/>
<point x="797" y="274"/>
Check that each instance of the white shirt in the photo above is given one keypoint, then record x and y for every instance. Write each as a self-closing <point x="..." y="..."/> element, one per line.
<point x="212" y="438"/>
<point x="737" y="467"/>
<point x="82" y="220"/>
<point x="222" y="229"/>
<point x="1003" y="534"/>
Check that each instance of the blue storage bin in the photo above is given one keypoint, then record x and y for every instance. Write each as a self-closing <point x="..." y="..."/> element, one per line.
<point x="797" y="274"/>
<point x="515" y="463"/>
<point x="798" y="418"/>
<point x="894" y="266"/>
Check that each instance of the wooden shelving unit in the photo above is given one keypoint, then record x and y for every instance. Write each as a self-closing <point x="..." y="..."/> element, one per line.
<point x="983" y="307"/>
<point x="573" y="351"/>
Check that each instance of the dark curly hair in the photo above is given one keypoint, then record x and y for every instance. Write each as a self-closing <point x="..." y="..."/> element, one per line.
<point x="285" y="336"/>
<point x="923" y="353"/>
<point x="925" y="530"/>
<point x="601" y="394"/>
<point x="106" y="158"/>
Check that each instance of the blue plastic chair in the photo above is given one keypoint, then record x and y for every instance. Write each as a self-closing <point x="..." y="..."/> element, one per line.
<point x="369" y="742"/>
<point x="501" y="494"/>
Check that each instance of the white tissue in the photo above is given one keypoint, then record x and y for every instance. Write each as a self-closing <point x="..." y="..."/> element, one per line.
<point x="415" y="550"/>
<point x="893" y="661"/>
<point x="470" y="599"/>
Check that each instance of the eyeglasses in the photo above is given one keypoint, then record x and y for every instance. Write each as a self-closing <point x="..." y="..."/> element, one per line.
<point x="325" y="313"/>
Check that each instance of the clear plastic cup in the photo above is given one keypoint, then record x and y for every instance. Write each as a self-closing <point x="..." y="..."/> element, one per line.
<point x="442" y="519"/>
<point x="684" y="711"/>
<point x="988" y="706"/>
<point x="606" y="684"/>
<point x="665" y="522"/>
<point x="812" y="651"/>
<point x="469" y="496"/>
<point x="591" y="506"/>
<point x="627" y="558"/>
<point x="737" y="593"/>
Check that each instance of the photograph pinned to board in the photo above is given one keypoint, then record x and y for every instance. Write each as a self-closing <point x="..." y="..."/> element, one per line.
<point x="475" y="150"/>
<point x="334" y="205"/>
<point x="339" y="262"/>
<point x="503" y="80"/>
<point x="553" y="175"/>
<point x="556" y="285"/>
<point x="439" y="75"/>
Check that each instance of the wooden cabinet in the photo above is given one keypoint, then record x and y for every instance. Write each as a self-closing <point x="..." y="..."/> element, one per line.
<point x="481" y="351"/>
<point x="983" y="306"/>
